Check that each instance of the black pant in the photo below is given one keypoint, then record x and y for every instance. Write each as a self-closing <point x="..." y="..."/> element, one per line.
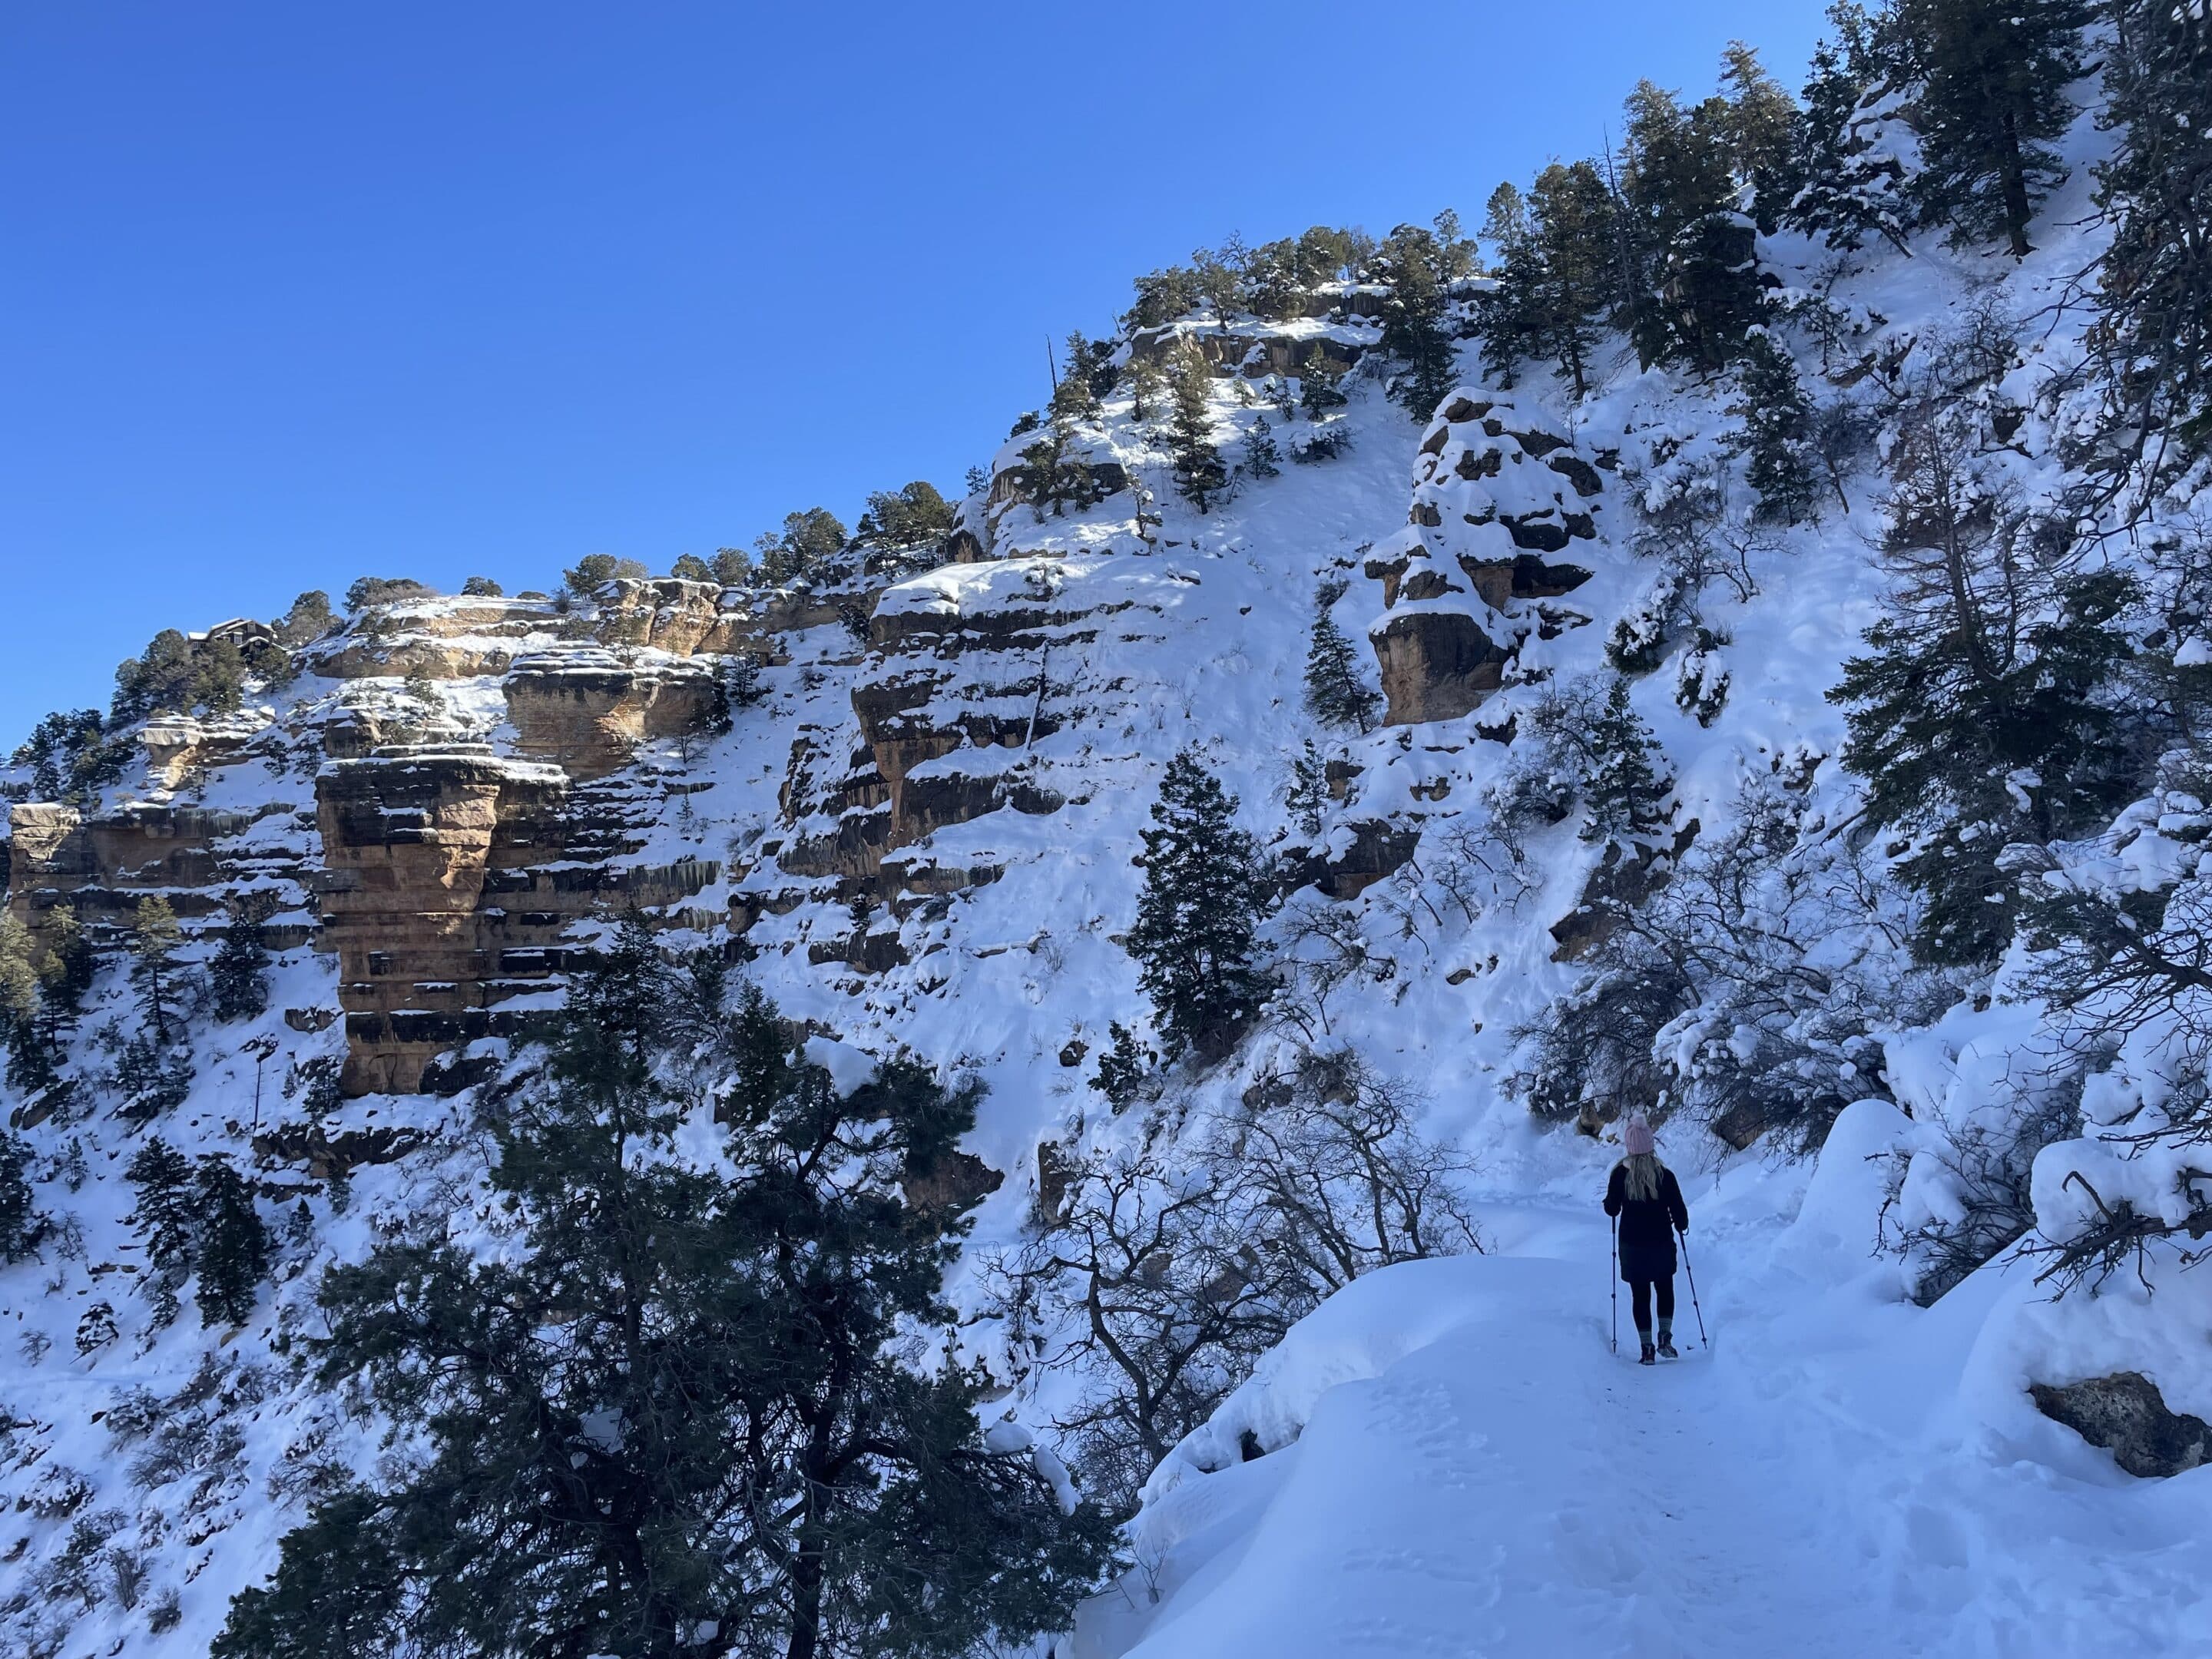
<point x="1640" y="1299"/>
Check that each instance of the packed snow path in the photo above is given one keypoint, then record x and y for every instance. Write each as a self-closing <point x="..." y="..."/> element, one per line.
<point x="1460" y="1467"/>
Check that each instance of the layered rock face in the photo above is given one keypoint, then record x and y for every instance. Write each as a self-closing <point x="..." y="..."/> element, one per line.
<point x="1496" y="496"/>
<point x="101" y="867"/>
<point x="430" y="901"/>
<point x="974" y="666"/>
<point x="589" y="710"/>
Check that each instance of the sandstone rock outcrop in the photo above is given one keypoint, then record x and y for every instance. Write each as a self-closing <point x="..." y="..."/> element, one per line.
<point x="1496" y="493"/>
<point x="588" y="709"/>
<point x="429" y="900"/>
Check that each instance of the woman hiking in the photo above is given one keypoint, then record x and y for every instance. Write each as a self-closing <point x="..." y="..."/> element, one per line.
<point x="1644" y="1194"/>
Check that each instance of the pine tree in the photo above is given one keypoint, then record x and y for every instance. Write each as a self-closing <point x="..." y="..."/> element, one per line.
<point x="1199" y="475"/>
<point x="1513" y="320"/>
<point x="2153" y="330"/>
<point x="1198" y="913"/>
<point x="1976" y="715"/>
<point x="70" y="964"/>
<point x="1416" y="329"/>
<point x="1575" y="242"/>
<point x="1261" y="459"/>
<point x="1319" y="390"/>
<point x="1848" y="187"/>
<point x="239" y="973"/>
<point x="741" y="680"/>
<point x="307" y="621"/>
<point x="166" y="1219"/>
<point x="687" y="1410"/>
<point x="1074" y="399"/>
<point x="1993" y="75"/>
<point x="1761" y="129"/>
<point x="1307" y="798"/>
<point x="1336" y="693"/>
<point x="232" y="1247"/>
<point x="1123" y="1068"/>
<point x="1147" y="387"/>
<point x="25" y="995"/>
<point x="154" y="938"/>
<point x="1057" y="474"/>
<point x="1628" y="791"/>
<point x="22" y="1227"/>
<point x="1703" y="282"/>
<point x="1777" y="418"/>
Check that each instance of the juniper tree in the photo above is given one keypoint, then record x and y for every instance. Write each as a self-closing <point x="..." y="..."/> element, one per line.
<point x="231" y="1244"/>
<point x="916" y="515"/>
<point x="688" y="568"/>
<point x="1261" y="459"/>
<point x="1335" y="694"/>
<point x="483" y="587"/>
<point x="1318" y="389"/>
<point x="2154" y="328"/>
<point x="1198" y="913"/>
<point x="697" y="1409"/>
<point x="1199" y="473"/>
<point x="807" y="540"/>
<point x="595" y="570"/>
<point x="1778" y="432"/>
<point x="1993" y="77"/>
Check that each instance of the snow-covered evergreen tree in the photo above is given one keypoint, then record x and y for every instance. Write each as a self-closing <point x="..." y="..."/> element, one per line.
<point x="1778" y="429"/>
<point x="232" y="1248"/>
<point x="1199" y="475"/>
<point x="1991" y="96"/>
<point x="1198" y="912"/>
<point x="1336" y="694"/>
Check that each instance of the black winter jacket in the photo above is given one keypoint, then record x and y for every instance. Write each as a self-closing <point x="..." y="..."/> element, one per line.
<point x="1647" y="1225"/>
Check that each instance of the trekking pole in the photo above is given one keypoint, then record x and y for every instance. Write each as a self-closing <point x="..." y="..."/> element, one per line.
<point x="1616" y="1284"/>
<point x="1702" y="1341"/>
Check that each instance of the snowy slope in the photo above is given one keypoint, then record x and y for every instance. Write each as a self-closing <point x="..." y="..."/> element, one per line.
<point x="1453" y="1462"/>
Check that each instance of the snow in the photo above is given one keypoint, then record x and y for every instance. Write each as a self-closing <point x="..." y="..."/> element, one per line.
<point x="1455" y="1463"/>
<point x="1452" y="1460"/>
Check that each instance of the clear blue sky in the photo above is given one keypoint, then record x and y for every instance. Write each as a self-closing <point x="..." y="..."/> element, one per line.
<point x="291" y="293"/>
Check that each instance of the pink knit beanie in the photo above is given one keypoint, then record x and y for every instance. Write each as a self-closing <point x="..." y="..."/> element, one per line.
<point x="1637" y="1136"/>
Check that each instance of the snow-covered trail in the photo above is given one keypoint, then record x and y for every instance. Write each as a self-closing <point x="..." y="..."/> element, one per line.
<point x="1462" y="1468"/>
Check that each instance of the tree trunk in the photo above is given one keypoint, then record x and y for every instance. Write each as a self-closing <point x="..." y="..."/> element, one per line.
<point x="2015" y="188"/>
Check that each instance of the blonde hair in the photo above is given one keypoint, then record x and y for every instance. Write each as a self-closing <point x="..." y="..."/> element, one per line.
<point x="1639" y="1175"/>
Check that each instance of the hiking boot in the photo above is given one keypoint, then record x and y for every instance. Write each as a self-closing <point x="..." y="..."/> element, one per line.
<point x="1648" y="1358"/>
<point x="1667" y="1348"/>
